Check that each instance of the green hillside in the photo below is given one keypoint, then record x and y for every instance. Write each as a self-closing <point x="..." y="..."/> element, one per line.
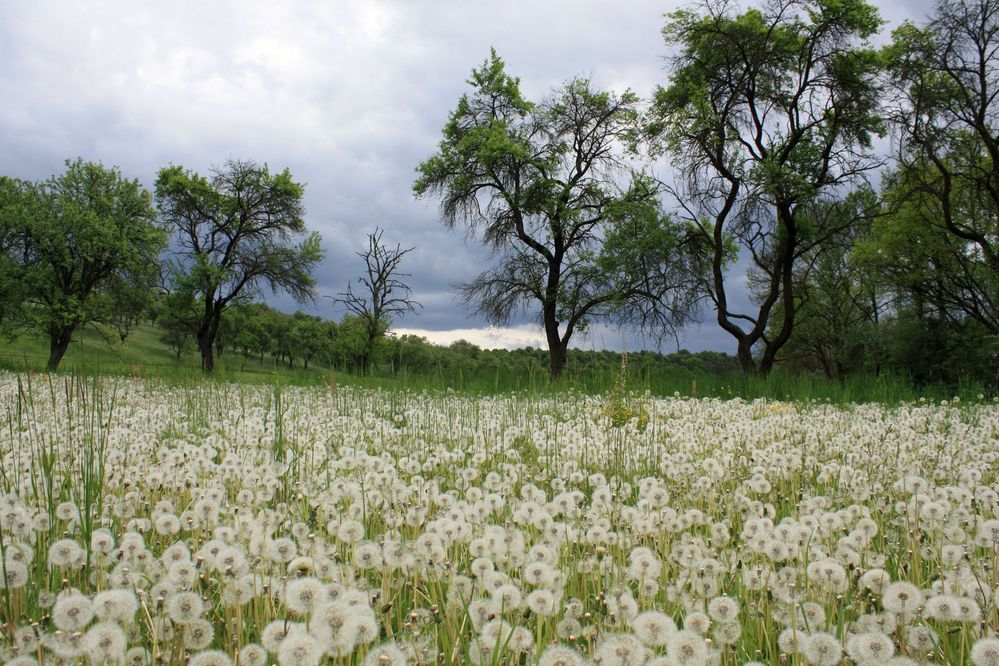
<point x="141" y="353"/>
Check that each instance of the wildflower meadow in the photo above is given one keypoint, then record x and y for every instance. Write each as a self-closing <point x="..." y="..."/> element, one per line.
<point x="149" y="523"/>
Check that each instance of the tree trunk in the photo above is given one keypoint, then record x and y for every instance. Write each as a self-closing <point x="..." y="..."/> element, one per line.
<point x="207" y="349"/>
<point x="558" y="357"/>
<point x="59" y="340"/>
<point x="556" y="347"/>
<point x="789" y="244"/>
<point x="208" y="330"/>
<point x="744" y="352"/>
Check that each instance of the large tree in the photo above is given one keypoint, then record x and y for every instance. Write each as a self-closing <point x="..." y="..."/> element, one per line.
<point x="767" y="111"/>
<point x="234" y="232"/>
<point x="839" y="299"/>
<point x="946" y="190"/>
<point x="77" y="247"/>
<point x="544" y="185"/>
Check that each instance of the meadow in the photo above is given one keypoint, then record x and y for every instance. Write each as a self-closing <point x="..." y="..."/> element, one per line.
<point x="145" y="521"/>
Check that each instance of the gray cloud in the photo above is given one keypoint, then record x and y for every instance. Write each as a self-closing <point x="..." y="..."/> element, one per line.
<point x="350" y="96"/>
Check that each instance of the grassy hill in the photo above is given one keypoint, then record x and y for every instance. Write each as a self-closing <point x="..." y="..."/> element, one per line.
<point x="142" y="353"/>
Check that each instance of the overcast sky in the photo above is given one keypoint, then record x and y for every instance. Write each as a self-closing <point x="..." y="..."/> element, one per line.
<point x="350" y="96"/>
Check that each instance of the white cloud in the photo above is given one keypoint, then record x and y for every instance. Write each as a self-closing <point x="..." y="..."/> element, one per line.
<point x="492" y="337"/>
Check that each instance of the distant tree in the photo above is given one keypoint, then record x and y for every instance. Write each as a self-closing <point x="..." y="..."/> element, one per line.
<point x="351" y="343"/>
<point x="249" y="334"/>
<point x="382" y="293"/>
<point x="279" y="334"/>
<point x="309" y="338"/>
<point x="234" y="235"/>
<point x="545" y="184"/>
<point x="766" y="112"/>
<point x="79" y="249"/>
<point x="176" y="336"/>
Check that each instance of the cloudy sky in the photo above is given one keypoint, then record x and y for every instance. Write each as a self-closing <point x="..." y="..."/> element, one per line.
<point x="350" y="96"/>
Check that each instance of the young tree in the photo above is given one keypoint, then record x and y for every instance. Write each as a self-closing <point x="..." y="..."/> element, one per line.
<point x="234" y="233"/>
<point x="81" y="245"/>
<point x="545" y="184"/>
<point x="309" y="338"/>
<point x="767" y="111"/>
<point x="382" y="293"/>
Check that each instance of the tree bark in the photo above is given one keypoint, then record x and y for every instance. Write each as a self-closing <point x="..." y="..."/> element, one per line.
<point x="558" y="358"/>
<point x="59" y="340"/>
<point x="207" y="348"/>
<point x="744" y="352"/>
<point x="556" y="347"/>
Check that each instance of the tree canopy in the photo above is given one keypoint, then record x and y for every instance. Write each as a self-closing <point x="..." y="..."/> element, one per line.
<point x="75" y="248"/>
<point x="544" y="185"/>
<point x="235" y="234"/>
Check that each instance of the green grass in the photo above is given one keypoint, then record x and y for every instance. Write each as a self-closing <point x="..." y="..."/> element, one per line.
<point x="142" y="354"/>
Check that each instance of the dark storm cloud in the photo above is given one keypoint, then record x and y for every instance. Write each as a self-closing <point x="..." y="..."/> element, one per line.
<point x="349" y="96"/>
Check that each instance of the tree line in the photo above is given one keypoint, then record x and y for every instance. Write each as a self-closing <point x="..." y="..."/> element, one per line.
<point x="258" y="333"/>
<point x="852" y="189"/>
<point x="86" y="248"/>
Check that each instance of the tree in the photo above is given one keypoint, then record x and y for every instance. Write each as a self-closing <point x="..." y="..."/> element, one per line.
<point x="175" y="336"/>
<point x="544" y="184"/>
<point x="766" y="112"/>
<point x="79" y="245"/>
<point x="912" y="251"/>
<point x="382" y="294"/>
<point x="309" y="338"/>
<point x="234" y="234"/>
<point x="840" y="301"/>
<point x="946" y="81"/>
<point x="14" y="202"/>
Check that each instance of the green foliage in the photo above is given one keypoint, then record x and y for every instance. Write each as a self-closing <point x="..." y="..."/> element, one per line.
<point x="540" y="183"/>
<point x="79" y="249"/>
<point x="233" y="232"/>
<point x="943" y="233"/>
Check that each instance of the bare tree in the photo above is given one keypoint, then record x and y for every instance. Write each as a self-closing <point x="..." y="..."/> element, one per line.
<point x="381" y="294"/>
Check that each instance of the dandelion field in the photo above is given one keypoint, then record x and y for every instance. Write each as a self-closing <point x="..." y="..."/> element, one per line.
<point x="216" y="524"/>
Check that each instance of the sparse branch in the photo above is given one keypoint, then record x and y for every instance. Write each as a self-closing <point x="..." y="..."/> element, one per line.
<point x="382" y="293"/>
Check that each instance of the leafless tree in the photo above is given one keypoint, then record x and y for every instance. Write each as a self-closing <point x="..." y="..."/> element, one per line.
<point x="381" y="294"/>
